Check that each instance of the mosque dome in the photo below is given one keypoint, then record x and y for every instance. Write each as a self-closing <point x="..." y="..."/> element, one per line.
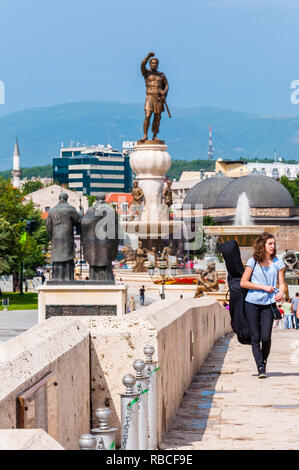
<point x="262" y="192"/>
<point x="206" y="192"/>
<point x="223" y="192"/>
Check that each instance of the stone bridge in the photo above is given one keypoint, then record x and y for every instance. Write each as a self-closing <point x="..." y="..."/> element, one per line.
<point x="228" y="407"/>
<point x="209" y="396"/>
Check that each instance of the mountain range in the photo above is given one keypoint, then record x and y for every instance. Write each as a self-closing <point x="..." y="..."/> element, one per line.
<point x="40" y="131"/>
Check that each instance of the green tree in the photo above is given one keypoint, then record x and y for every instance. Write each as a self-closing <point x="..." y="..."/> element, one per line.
<point x="13" y="217"/>
<point x="292" y="187"/>
<point x="178" y="166"/>
<point x="208" y="220"/>
<point x="91" y="200"/>
<point x="31" y="186"/>
<point x="7" y="255"/>
<point x="33" y="251"/>
<point x="36" y="171"/>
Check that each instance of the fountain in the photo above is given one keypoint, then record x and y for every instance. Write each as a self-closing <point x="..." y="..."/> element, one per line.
<point x="243" y="216"/>
<point x="243" y="231"/>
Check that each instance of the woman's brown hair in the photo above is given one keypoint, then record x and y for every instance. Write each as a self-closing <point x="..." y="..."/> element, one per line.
<point x="259" y="253"/>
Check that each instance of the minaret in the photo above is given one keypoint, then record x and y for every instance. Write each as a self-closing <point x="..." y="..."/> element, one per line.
<point x="210" y="151"/>
<point x="16" y="172"/>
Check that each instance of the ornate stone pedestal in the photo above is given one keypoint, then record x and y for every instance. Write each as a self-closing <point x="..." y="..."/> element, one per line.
<point x="150" y="162"/>
<point x="81" y="298"/>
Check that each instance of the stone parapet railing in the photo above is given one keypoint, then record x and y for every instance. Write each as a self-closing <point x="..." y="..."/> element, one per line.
<point x="182" y="333"/>
<point x="59" y="346"/>
<point x="89" y="356"/>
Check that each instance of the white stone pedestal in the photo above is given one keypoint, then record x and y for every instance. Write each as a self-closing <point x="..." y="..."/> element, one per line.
<point x="81" y="299"/>
<point x="150" y="162"/>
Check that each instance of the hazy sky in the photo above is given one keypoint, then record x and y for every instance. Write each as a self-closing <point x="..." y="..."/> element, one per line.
<point x="235" y="54"/>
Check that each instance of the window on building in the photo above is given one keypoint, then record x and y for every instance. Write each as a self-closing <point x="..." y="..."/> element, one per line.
<point x="275" y="173"/>
<point x="47" y="209"/>
<point x="124" y="207"/>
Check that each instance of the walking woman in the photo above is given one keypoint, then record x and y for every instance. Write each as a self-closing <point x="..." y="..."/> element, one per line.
<point x="261" y="274"/>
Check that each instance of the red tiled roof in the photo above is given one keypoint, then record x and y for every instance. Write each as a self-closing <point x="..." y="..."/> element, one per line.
<point x="119" y="197"/>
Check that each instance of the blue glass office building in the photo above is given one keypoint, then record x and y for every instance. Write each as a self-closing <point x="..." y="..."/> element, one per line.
<point x="91" y="170"/>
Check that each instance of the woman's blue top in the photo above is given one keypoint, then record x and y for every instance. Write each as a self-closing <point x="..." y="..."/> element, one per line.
<point x="257" y="277"/>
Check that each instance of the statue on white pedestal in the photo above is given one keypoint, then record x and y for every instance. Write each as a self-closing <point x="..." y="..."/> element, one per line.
<point x="156" y="92"/>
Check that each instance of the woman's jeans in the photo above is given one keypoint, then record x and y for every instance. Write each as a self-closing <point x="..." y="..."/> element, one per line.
<point x="260" y="318"/>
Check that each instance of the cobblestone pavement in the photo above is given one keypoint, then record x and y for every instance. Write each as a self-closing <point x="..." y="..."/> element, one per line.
<point x="228" y="407"/>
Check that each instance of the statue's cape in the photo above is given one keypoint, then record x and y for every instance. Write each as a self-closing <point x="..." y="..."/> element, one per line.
<point x="99" y="229"/>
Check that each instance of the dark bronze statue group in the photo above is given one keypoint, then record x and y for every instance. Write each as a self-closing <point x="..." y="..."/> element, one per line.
<point x="99" y="238"/>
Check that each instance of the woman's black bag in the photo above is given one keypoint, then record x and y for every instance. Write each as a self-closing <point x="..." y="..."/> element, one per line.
<point x="240" y="325"/>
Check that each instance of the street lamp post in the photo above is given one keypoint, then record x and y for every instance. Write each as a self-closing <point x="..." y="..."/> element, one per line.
<point x="162" y="268"/>
<point x="162" y="265"/>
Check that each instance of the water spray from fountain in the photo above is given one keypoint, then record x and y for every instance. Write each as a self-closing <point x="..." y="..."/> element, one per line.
<point x="243" y="216"/>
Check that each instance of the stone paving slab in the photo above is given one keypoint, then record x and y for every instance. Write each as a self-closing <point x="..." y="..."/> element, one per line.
<point x="15" y="322"/>
<point x="228" y="407"/>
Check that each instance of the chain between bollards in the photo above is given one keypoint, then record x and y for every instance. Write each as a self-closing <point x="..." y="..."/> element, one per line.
<point x="142" y="389"/>
<point x="138" y="412"/>
<point x="151" y="369"/>
<point x="129" y="415"/>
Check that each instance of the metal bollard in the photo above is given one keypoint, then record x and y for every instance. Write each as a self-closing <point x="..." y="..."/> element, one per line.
<point x="143" y="404"/>
<point x="151" y="369"/>
<point x="87" y="442"/>
<point x="129" y="415"/>
<point x="104" y="435"/>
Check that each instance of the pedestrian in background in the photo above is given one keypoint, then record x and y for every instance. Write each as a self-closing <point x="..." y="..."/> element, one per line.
<point x="132" y="304"/>
<point x="295" y="302"/>
<point x="287" y="310"/>
<point x="279" y="323"/>
<point x="141" y="295"/>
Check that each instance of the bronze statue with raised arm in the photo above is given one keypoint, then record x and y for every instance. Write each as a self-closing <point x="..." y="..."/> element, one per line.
<point x="156" y="92"/>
